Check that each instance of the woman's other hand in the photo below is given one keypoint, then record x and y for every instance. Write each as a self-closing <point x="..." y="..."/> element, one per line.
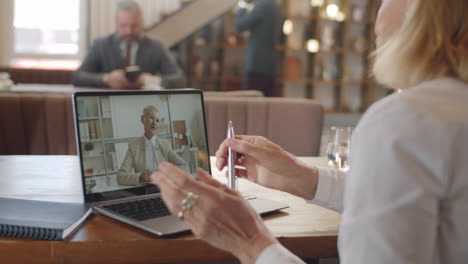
<point x="261" y="161"/>
<point x="217" y="214"/>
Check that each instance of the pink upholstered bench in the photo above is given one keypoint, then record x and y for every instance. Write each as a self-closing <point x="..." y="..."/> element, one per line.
<point x="42" y="123"/>
<point x="294" y="124"/>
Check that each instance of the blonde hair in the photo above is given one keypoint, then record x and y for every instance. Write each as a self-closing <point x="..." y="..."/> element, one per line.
<point x="431" y="43"/>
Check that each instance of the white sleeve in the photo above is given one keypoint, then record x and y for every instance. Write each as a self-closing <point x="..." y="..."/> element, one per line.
<point x="391" y="195"/>
<point x="330" y="189"/>
<point x="276" y="253"/>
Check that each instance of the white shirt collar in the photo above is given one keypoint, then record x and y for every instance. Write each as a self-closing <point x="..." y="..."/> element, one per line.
<point x="152" y="140"/>
<point x="133" y="50"/>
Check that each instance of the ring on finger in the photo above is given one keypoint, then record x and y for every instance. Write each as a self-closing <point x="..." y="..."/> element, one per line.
<point x="189" y="200"/>
<point x="181" y="213"/>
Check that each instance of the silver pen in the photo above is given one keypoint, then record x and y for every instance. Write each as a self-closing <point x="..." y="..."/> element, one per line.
<point x="232" y="183"/>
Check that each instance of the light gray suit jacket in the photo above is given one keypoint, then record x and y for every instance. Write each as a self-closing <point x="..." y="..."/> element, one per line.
<point x="135" y="160"/>
<point x="105" y="56"/>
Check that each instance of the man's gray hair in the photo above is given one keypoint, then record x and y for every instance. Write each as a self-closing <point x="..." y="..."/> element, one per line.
<point x="149" y="109"/>
<point x="128" y="6"/>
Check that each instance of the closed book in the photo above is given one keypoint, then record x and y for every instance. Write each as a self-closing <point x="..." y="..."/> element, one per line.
<point x="82" y="133"/>
<point x="41" y="219"/>
<point x="92" y="129"/>
<point x="105" y="106"/>
<point x="97" y="124"/>
<point x="86" y="131"/>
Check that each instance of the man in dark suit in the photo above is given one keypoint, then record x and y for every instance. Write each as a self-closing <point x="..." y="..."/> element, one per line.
<point x="109" y="59"/>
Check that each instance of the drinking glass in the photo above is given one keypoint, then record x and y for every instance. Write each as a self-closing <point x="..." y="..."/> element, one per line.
<point x="338" y="147"/>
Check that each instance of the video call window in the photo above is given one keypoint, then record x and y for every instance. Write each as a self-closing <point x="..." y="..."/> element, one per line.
<point x="112" y="133"/>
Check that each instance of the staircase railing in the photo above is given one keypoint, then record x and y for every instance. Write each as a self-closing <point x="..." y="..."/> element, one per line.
<point x="190" y="18"/>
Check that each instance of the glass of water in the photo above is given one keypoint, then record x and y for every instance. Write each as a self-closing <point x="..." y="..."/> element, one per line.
<point x="338" y="147"/>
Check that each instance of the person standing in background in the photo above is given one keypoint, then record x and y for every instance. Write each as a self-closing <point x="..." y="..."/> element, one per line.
<point x="262" y="19"/>
<point x="110" y="57"/>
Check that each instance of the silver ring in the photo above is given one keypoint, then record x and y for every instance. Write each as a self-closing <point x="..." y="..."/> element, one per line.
<point x="181" y="213"/>
<point x="189" y="200"/>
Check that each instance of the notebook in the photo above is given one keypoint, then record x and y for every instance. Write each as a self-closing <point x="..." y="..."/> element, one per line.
<point x="118" y="143"/>
<point x="40" y="219"/>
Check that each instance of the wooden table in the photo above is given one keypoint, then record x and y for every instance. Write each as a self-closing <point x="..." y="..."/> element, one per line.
<point x="307" y="230"/>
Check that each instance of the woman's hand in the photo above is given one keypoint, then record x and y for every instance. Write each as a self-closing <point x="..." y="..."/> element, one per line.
<point x="267" y="164"/>
<point x="219" y="215"/>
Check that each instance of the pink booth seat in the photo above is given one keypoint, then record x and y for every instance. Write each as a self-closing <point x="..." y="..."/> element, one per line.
<point x="22" y="75"/>
<point x="36" y="124"/>
<point x="42" y="123"/>
<point x="294" y="124"/>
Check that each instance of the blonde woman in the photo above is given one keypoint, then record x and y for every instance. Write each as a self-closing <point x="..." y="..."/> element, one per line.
<point x="406" y="195"/>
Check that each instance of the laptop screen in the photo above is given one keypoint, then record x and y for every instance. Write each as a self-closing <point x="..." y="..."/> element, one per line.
<point x="123" y="136"/>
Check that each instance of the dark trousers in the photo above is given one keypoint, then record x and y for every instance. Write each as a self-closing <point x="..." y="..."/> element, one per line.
<point x="262" y="82"/>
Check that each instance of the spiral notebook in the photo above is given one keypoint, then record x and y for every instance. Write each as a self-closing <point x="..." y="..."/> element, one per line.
<point x="41" y="219"/>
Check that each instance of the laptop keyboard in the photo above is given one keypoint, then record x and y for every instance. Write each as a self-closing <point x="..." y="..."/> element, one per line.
<point x="141" y="209"/>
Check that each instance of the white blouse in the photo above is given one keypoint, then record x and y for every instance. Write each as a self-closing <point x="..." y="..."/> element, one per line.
<point x="406" y="194"/>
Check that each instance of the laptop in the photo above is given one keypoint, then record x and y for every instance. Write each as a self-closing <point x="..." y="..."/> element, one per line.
<point x="112" y="140"/>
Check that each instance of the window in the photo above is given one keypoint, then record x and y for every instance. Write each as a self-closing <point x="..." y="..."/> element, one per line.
<point x="47" y="33"/>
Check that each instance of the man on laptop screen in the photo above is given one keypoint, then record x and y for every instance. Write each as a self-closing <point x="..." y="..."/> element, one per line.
<point x="116" y="155"/>
<point x="146" y="152"/>
<point x="125" y="137"/>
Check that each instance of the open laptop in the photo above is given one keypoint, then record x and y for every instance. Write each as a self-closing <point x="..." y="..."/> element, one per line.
<point x="111" y="144"/>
